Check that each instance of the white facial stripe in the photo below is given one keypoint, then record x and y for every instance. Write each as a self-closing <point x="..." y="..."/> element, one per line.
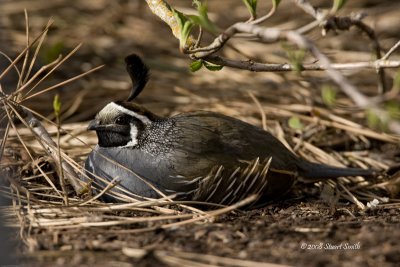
<point x="142" y="118"/>
<point x="134" y="134"/>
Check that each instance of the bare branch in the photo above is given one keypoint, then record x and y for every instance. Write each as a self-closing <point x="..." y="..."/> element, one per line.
<point x="284" y="67"/>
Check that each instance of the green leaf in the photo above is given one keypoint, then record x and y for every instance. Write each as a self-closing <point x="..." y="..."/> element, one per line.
<point x="251" y="6"/>
<point x="185" y="26"/>
<point x="337" y="5"/>
<point x="196" y="65"/>
<point x="202" y="19"/>
<point x="295" y="123"/>
<point x="57" y="105"/>
<point x="212" y="67"/>
<point x="328" y="94"/>
<point x="275" y="3"/>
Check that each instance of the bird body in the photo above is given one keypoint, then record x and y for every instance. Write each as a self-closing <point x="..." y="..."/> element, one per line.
<point x="203" y="156"/>
<point x="182" y="155"/>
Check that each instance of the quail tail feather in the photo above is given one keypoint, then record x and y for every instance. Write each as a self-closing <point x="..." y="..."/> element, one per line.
<point x="314" y="171"/>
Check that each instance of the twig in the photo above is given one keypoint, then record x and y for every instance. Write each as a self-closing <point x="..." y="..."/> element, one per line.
<point x="265" y="17"/>
<point x="285" y="67"/>
<point x="25" y="50"/>
<point x="268" y="35"/>
<point x="351" y="197"/>
<point x="64" y="82"/>
<point x="50" y="146"/>
<point x="262" y="112"/>
<point x="347" y="88"/>
<point x="311" y="10"/>
<point x="60" y="168"/>
<point x="57" y="63"/>
<point x="42" y="38"/>
<point x="195" y="258"/>
<point x="163" y="10"/>
<point x="391" y="51"/>
<point x="345" y="23"/>
<point x="248" y="200"/>
<point x="27" y="45"/>
<point x="30" y="155"/>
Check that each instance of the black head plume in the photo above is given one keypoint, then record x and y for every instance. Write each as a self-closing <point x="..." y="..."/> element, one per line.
<point x="139" y="74"/>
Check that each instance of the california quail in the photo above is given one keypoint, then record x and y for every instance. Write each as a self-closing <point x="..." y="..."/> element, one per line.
<point x="200" y="155"/>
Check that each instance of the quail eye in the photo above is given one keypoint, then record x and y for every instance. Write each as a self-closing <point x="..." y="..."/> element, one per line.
<point x="122" y="120"/>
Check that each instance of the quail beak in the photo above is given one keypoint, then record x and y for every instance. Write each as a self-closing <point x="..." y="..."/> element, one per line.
<point x="93" y="125"/>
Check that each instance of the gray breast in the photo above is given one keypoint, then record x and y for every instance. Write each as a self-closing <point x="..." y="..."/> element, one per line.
<point x="134" y="170"/>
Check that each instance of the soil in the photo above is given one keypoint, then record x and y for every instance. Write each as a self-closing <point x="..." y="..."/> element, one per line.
<point x="296" y="233"/>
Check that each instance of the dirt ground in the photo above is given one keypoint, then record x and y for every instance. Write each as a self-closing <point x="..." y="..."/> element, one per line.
<point x="301" y="229"/>
<point x="298" y="233"/>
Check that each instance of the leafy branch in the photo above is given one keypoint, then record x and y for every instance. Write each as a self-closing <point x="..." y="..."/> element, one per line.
<point x="182" y="26"/>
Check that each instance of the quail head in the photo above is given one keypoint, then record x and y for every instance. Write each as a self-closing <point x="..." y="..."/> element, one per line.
<point x="203" y="156"/>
